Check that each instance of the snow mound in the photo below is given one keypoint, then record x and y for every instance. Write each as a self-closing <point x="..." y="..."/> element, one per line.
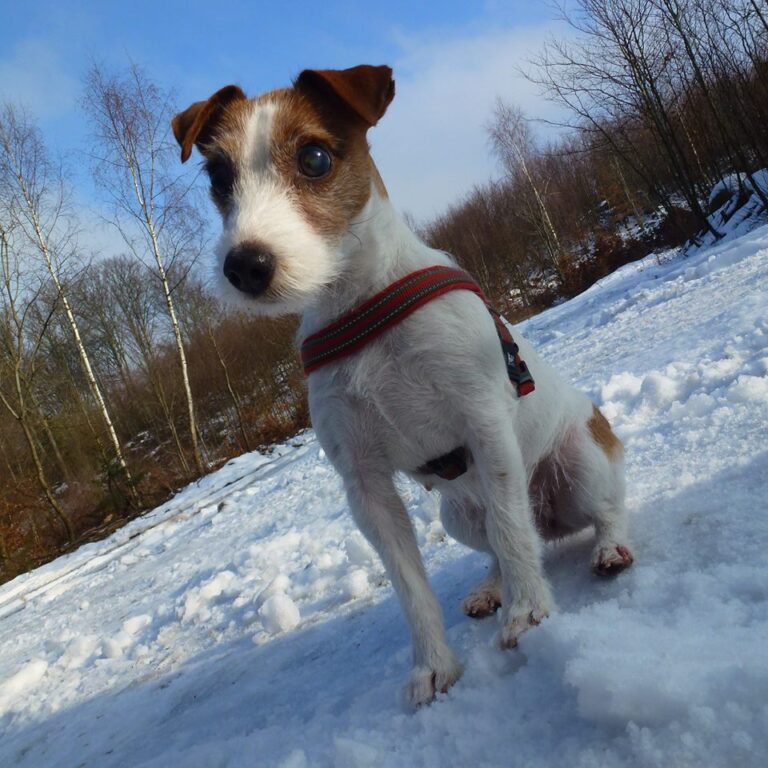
<point x="279" y="614"/>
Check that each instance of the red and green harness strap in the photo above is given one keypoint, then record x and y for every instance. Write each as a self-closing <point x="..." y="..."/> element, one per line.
<point x="353" y="331"/>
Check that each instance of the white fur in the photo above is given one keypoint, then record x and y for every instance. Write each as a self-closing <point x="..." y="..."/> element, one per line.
<point x="434" y="382"/>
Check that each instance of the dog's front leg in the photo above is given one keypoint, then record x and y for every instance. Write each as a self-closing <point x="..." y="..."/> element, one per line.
<point x="383" y="519"/>
<point x="526" y="598"/>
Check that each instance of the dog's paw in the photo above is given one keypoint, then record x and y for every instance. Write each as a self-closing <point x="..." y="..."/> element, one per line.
<point x="520" y="619"/>
<point x="482" y="601"/>
<point x="610" y="559"/>
<point x="425" y="682"/>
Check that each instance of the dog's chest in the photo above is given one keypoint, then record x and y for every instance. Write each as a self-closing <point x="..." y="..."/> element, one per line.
<point x="411" y="408"/>
<point x="413" y="395"/>
<point x="389" y="402"/>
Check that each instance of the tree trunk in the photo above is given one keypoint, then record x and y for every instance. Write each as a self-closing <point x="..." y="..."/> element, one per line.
<point x="625" y="187"/>
<point x="180" y="350"/>
<point x="63" y="468"/>
<point x="21" y="416"/>
<point x="9" y="463"/>
<point x="233" y="396"/>
<point x="556" y="250"/>
<point x="169" y="420"/>
<point x="84" y="358"/>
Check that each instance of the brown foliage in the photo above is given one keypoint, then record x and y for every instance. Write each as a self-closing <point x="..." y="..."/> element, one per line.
<point x="249" y="393"/>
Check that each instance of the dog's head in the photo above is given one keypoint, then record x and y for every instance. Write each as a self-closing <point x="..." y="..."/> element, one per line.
<point x="289" y="172"/>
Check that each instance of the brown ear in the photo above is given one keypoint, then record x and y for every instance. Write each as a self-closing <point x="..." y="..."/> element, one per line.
<point x="366" y="90"/>
<point x="195" y="125"/>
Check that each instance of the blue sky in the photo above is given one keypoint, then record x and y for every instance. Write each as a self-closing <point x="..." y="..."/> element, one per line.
<point x="451" y="59"/>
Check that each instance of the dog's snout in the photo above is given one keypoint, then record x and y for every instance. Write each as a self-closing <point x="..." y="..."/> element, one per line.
<point x="249" y="268"/>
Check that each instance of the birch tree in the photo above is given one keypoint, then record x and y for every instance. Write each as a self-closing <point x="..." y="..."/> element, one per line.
<point x="203" y="316"/>
<point x="34" y="197"/>
<point x="19" y="354"/>
<point x="152" y="207"/>
<point x="512" y="143"/>
<point x="135" y="306"/>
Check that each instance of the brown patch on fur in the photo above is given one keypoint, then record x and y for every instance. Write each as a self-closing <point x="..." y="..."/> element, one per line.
<point x="196" y="124"/>
<point x="330" y="202"/>
<point x="365" y="91"/>
<point x="223" y="148"/>
<point x="331" y="108"/>
<point x="217" y="128"/>
<point x="229" y="135"/>
<point x="603" y="435"/>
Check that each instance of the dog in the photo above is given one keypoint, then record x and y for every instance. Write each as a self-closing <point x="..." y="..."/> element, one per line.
<point x="308" y="228"/>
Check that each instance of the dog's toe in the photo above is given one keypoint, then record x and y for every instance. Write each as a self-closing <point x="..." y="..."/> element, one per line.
<point x="482" y="602"/>
<point x="425" y="683"/>
<point x="609" y="560"/>
<point x="421" y="688"/>
<point x="519" y="623"/>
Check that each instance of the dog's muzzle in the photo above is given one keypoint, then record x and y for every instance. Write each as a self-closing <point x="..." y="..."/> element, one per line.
<point x="249" y="268"/>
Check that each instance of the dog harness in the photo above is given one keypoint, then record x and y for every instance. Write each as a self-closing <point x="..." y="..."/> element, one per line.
<point x="360" y="326"/>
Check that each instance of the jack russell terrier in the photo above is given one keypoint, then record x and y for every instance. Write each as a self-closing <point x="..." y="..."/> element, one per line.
<point x="408" y="369"/>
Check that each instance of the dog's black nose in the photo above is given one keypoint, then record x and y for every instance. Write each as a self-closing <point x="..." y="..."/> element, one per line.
<point x="249" y="268"/>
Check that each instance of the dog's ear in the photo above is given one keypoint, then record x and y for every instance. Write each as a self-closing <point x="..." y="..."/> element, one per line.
<point x="365" y="90"/>
<point x="196" y="124"/>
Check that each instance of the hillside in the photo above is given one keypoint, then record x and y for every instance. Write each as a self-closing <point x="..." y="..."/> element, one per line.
<point x="246" y="622"/>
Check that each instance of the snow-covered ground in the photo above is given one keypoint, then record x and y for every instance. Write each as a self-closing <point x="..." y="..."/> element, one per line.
<point x="247" y="623"/>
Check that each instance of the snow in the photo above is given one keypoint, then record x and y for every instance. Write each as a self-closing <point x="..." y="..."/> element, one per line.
<point x="279" y="614"/>
<point x="738" y="201"/>
<point x="248" y="623"/>
<point x="733" y="182"/>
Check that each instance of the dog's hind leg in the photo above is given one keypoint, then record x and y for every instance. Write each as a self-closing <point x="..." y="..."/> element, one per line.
<point x="485" y="598"/>
<point x="383" y="519"/>
<point x="465" y="522"/>
<point x="503" y="484"/>
<point x="594" y="461"/>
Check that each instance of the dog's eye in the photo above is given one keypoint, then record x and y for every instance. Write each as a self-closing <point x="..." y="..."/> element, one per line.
<point x="222" y="177"/>
<point x="314" y="161"/>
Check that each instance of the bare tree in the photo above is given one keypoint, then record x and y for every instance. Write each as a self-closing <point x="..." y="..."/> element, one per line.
<point x="613" y="73"/>
<point x="687" y="26"/>
<point x="152" y="208"/>
<point x="512" y="142"/>
<point x="202" y="317"/>
<point x="135" y="306"/>
<point x="34" y="196"/>
<point x="19" y="354"/>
